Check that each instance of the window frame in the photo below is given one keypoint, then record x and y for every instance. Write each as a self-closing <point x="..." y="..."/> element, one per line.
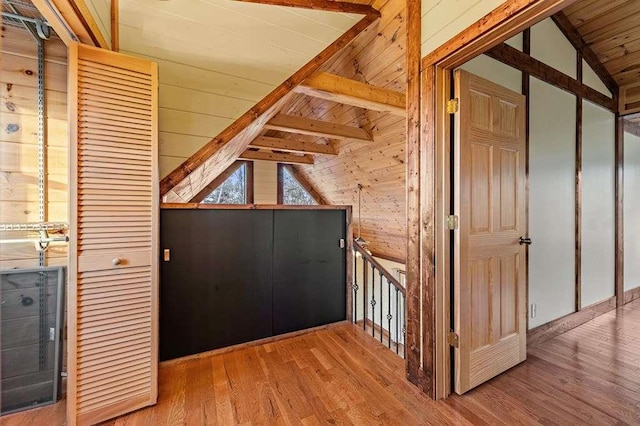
<point x="304" y="185"/>
<point x="248" y="181"/>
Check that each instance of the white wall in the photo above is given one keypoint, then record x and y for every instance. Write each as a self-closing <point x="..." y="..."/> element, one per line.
<point x="550" y="46"/>
<point x="217" y="58"/>
<point x="631" y="211"/>
<point x="495" y="71"/>
<point x="591" y="79"/>
<point x="265" y="182"/>
<point x="443" y="19"/>
<point x="551" y="202"/>
<point x="598" y="204"/>
<point x="552" y="182"/>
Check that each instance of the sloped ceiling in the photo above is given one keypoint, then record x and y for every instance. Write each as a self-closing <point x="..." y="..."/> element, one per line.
<point x="610" y="29"/>
<point x="376" y="57"/>
<point x="217" y="58"/>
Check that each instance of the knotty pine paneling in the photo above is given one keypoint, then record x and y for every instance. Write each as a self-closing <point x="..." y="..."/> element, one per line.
<point x="19" y="138"/>
<point x="376" y="57"/>
<point x="610" y="30"/>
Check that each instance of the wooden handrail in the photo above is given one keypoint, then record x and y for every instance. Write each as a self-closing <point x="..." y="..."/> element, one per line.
<point x="390" y="278"/>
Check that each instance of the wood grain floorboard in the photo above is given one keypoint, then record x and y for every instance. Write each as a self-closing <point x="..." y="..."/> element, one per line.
<point x="340" y="375"/>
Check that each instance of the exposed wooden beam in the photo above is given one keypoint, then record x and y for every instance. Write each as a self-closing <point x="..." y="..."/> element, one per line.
<point x="250" y="183"/>
<point x="274" y="156"/>
<point x="523" y="62"/>
<point x="304" y="182"/>
<point x="115" y="25"/>
<point x="619" y="211"/>
<point x="214" y="184"/>
<point x="329" y="6"/>
<point x="505" y="21"/>
<point x="76" y="18"/>
<point x="343" y="90"/>
<point x="526" y="89"/>
<point x="290" y="145"/>
<point x="210" y="160"/>
<point x="420" y="340"/>
<point x="578" y="192"/>
<point x="323" y="129"/>
<point x="574" y="37"/>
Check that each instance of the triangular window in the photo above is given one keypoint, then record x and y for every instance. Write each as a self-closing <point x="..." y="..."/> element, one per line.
<point x="293" y="193"/>
<point x="232" y="190"/>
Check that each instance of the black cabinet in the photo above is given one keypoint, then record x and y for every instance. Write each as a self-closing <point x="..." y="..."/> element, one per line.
<point x="235" y="276"/>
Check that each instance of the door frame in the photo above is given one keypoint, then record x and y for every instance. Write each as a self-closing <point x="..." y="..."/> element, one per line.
<point x="428" y="173"/>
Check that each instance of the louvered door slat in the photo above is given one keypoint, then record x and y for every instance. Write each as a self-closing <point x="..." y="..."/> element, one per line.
<point x="113" y="268"/>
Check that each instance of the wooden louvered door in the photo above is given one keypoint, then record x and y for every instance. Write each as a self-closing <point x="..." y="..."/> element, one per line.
<point x="113" y="297"/>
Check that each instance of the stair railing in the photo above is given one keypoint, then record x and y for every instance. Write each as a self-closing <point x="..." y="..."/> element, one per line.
<point x="379" y="301"/>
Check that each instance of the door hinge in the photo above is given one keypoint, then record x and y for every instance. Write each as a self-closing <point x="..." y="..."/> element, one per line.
<point x="452" y="222"/>
<point x="452" y="106"/>
<point x="453" y="339"/>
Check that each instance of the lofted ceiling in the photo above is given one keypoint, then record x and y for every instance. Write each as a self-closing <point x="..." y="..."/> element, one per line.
<point x="217" y="58"/>
<point x="342" y="127"/>
<point x="378" y="58"/>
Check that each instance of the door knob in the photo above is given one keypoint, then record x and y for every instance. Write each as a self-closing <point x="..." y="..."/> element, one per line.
<point x="524" y="240"/>
<point x="116" y="261"/>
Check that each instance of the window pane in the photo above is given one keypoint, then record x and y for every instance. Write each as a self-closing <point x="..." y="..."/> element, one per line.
<point x="293" y="192"/>
<point x="231" y="191"/>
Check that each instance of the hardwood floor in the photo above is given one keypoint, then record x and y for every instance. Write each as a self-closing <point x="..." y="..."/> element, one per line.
<point x="589" y="375"/>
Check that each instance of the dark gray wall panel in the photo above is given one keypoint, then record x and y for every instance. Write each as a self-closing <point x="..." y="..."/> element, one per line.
<point x="308" y="269"/>
<point x="216" y="289"/>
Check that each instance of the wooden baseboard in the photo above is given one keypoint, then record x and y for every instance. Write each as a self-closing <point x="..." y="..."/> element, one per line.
<point x="631" y="295"/>
<point x="376" y="327"/>
<point x="253" y="343"/>
<point x="561" y="325"/>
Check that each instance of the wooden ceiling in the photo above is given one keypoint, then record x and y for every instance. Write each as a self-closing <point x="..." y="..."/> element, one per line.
<point x="378" y="59"/>
<point x="611" y="30"/>
<point x="340" y="127"/>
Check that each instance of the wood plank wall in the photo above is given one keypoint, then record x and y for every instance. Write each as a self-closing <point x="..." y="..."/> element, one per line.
<point x="101" y="12"/>
<point x="213" y="70"/>
<point x="376" y="57"/>
<point x="19" y="138"/>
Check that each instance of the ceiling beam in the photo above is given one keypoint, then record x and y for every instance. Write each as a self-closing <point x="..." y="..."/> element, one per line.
<point x="574" y="37"/>
<point x="214" y="184"/>
<point x="328" y="6"/>
<point x="322" y="129"/>
<point x="72" y="21"/>
<point x="343" y="90"/>
<point x="304" y="182"/>
<point x="290" y="145"/>
<point x="275" y="156"/>
<point x="523" y="62"/>
<point x="218" y="154"/>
